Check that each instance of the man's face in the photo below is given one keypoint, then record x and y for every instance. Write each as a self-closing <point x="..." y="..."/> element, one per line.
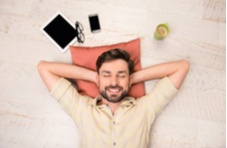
<point x="114" y="80"/>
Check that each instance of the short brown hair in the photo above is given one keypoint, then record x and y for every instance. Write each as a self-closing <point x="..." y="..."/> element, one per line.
<point x="115" y="54"/>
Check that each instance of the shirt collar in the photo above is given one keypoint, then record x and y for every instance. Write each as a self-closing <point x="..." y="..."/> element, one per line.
<point x="94" y="102"/>
<point x="127" y="101"/>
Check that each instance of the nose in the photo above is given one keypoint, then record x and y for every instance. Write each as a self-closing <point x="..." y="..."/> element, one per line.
<point x="114" y="81"/>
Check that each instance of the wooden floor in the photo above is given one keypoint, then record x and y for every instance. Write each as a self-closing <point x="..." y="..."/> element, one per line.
<point x="196" y="118"/>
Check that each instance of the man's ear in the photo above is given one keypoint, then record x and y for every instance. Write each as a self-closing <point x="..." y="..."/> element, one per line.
<point x="130" y="80"/>
<point x="97" y="79"/>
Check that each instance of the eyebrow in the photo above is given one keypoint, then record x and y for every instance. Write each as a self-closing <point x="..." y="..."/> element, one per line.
<point x="119" y="72"/>
<point x="105" y="71"/>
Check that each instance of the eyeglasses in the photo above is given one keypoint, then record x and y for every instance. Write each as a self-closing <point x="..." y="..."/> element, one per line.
<point x="79" y="32"/>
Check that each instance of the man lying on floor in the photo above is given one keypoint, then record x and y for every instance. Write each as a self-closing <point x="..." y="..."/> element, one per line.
<point x="113" y="118"/>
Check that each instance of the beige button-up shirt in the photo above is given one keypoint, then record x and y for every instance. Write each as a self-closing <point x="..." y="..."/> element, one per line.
<point x="129" y="127"/>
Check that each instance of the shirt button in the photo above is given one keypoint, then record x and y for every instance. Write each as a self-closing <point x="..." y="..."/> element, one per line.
<point x="114" y="143"/>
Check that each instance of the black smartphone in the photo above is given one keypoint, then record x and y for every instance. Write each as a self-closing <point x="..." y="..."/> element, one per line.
<point x="94" y="23"/>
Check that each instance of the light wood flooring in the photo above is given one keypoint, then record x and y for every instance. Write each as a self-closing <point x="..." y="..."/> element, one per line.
<point x="196" y="118"/>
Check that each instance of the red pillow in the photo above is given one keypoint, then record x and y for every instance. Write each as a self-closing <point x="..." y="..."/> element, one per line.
<point x="87" y="56"/>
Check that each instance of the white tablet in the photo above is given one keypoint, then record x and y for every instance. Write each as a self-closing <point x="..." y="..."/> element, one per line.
<point x="60" y="31"/>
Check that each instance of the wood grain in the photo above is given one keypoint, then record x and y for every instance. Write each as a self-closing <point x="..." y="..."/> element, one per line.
<point x="30" y="117"/>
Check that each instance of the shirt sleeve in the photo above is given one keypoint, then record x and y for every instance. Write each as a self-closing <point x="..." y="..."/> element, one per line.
<point x="67" y="95"/>
<point x="161" y="95"/>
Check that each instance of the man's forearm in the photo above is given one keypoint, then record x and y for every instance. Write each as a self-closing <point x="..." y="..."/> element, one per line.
<point x="52" y="71"/>
<point x="176" y="71"/>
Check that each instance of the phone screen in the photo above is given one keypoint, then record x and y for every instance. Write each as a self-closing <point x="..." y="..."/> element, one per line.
<point x="94" y="23"/>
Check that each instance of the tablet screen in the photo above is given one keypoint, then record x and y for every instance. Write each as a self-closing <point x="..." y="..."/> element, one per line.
<point x="60" y="31"/>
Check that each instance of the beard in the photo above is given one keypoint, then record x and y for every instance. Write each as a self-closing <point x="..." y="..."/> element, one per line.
<point x="114" y="98"/>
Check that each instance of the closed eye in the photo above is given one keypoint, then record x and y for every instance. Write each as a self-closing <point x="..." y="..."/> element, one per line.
<point x="122" y="74"/>
<point x="106" y="76"/>
<point x="105" y="73"/>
